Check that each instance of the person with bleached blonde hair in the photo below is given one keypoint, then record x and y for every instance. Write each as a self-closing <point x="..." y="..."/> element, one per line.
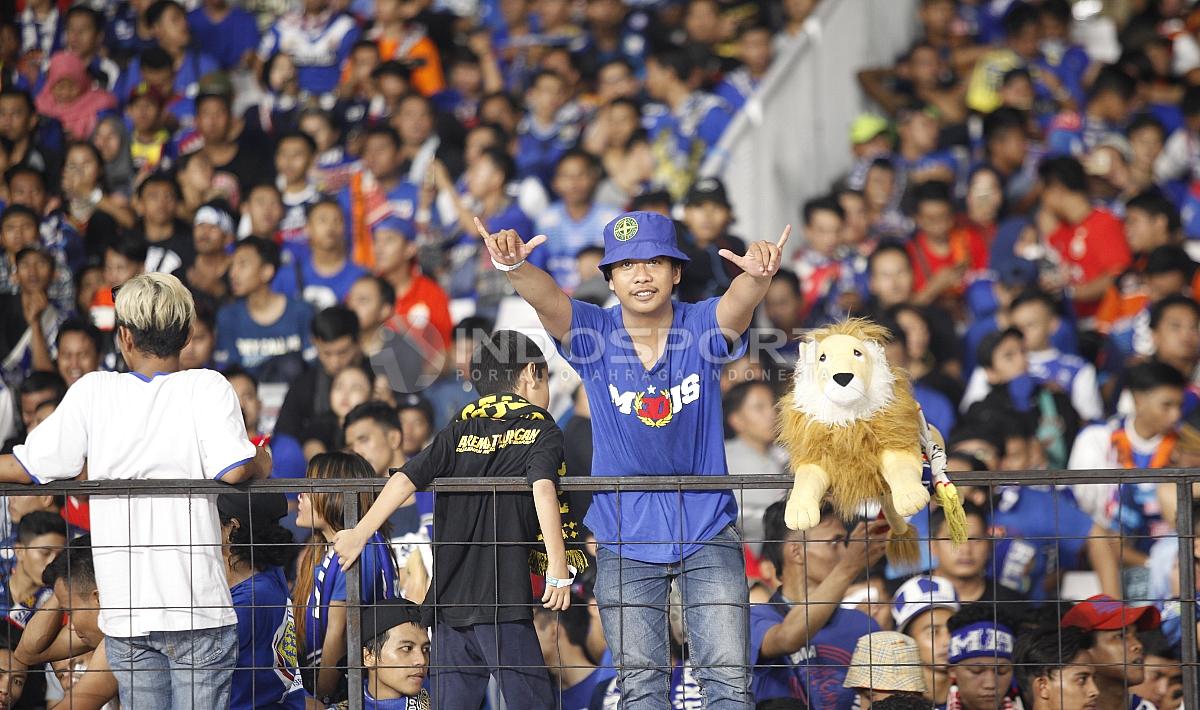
<point x="171" y="642"/>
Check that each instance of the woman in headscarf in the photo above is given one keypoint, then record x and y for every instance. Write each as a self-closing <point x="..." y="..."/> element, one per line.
<point x="111" y="138"/>
<point x="70" y="95"/>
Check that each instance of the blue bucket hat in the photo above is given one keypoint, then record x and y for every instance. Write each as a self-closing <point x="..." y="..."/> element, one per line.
<point x="394" y="223"/>
<point x="640" y="235"/>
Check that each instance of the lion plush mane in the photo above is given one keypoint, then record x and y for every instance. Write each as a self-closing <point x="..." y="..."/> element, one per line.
<point x="847" y="440"/>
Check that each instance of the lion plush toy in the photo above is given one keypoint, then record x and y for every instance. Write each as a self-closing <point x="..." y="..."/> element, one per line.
<point x="853" y="430"/>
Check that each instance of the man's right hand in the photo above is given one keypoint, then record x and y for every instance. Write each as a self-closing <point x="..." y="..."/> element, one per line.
<point x="506" y="246"/>
<point x="865" y="546"/>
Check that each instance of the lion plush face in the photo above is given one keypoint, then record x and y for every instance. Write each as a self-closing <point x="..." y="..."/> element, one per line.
<point x="841" y="378"/>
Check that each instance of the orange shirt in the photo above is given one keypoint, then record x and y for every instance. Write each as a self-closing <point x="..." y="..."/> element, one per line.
<point x="425" y="309"/>
<point x="426" y="79"/>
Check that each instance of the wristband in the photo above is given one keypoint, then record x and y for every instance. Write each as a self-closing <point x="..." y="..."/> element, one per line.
<point x="558" y="583"/>
<point x="505" y="267"/>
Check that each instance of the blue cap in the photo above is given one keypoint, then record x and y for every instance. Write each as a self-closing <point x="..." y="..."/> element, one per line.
<point x="394" y="223"/>
<point x="640" y="235"/>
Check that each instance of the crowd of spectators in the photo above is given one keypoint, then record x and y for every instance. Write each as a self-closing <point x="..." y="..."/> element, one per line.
<point x="1021" y="214"/>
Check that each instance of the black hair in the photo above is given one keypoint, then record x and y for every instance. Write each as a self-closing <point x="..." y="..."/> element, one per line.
<point x="937" y="518"/>
<point x="233" y="371"/>
<point x="902" y="701"/>
<point x="267" y="250"/>
<point x="155" y="12"/>
<point x="9" y="92"/>
<point x="824" y="203"/>
<point x="1044" y="651"/>
<point x="592" y="162"/>
<point x="416" y="403"/>
<point x="25" y="169"/>
<point x="775" y="531"/>
<point x="498" y="133"/>
<point x="1019" y="16"/>
<point x="1170" y="258"/>
<point x="131" y="247"/>
<point x="788" y="278"/>
<point x="500" y="359"/>
<point x="790" y="704"/>
<point x="382" y="413"/>
<point x="1014" y="74"/>
<point x="736" y="397"/>
<point x="1153" y="374"/>
<point x="38" y="523"/>
<point x="471" y="326"/>
<point x="96" y="17"/>
<point x="1154" y="203"/>
<point x="1002" y="119"/>
<point x="42" y="380"/>
<point x="392" y="67"/>
<point x="675" y="60"/>
<point x="262" y="543"/>
<point x="503" y="162"/>
<point x="650" y="198"/>
<point x="1034" y="295"/>
<point x="73" y="566"/>
<point x="76" y="324"/>
<point x="1191" y="101"/>
<point x="1155" y="643"/>
<point x="1065" y="171"/>
<point x="37" y="251"/>
<point x="1158" y="310"/>
<point x="882" y="164"/>
<point x="300" y="136"/>
<point x="321" y="201"/>
<point x="387" y="292"/>
<point x="969" y="431"/>
<point x="990" y="342"/>
<point x="888" y="246"/>
<point x="335" y="322"/>
<point x="1111" y="80"/>
<point x="159" y="177"/>
<point x="1146" y="120"/>
<point x="933" y="191"/>
<point x="1058" y="9"/>
<point x="156" y="58"/>
<point x="540" y="74"/>
<point x="574" y="623"/>
<point x="386" y="131"/>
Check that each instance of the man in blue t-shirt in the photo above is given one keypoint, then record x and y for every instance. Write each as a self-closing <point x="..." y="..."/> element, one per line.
<point x="801" y="642"/>
<point x="651" y="368"/>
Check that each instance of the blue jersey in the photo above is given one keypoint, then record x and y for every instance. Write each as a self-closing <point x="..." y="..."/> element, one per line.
<point x="318" y="45"/>
<point x="268" y="668"/>
<point x="938" y="410"/>
<point x="736" y="88"/>
<point x="665" y="420"/>
<point x="579" y="696"/>
<point x="228" y="40"/>
<point x="814" y="673"/>
<point x="45" y="35"/>
<point x="298" y="278"/>
<point x="539" y="149"/>
<point x="242" y="341"/>
<point x="565" y="237"/>
<point x="378" y="574"/>
<point x="1037" y="533"/>
<point x="196" y="65"/>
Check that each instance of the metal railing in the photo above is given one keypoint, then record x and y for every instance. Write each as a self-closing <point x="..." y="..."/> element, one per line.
<point x="1183" y="478"/>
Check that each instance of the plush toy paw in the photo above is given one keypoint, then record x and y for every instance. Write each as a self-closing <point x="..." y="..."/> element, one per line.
<point x="909" y="498"/>
<point x="801" y="514"/>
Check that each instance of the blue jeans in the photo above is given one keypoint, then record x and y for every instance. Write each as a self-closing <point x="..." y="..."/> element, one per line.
<point x="632" y="597"/>
<point x="174" y="669"/>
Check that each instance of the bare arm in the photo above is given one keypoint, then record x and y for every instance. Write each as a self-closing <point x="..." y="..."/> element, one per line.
<point x="93" y="691"/>
<point x="349" y="543"/>
<point x="34" y="305"/>
<point x="545" y="501"/>
<point x="46" y="639"/>
<point x="874" y="85"/>
<point x="538" y="288"/>
<point x="333" y="650"/>
<point x="257" y="469"/>
<point x="1104" y="552"/>
<point x="806" y="619"/>
<point x="11" y="470"/>
<point x="759" y="265"/>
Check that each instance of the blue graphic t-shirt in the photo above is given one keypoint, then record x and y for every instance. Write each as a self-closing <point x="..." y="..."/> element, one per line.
<point x="1037" y="533"/>
<point x="662" y="421"/>
<point x="242" y="341"/>
<point x="268" y="672"/>
<point x="298" y="278"/>
<point x="814" y="673"/>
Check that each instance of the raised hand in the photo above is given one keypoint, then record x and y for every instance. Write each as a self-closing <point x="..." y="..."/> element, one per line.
<point x="506" y="246"/>
<point x="762" y="259"/>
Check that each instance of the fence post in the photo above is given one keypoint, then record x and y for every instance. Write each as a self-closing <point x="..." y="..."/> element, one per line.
<point x="1187" y="585"/>
<point x="354" y="680"/>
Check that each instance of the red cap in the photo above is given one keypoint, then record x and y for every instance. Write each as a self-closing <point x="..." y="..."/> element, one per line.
<point x="1103" y="613"/>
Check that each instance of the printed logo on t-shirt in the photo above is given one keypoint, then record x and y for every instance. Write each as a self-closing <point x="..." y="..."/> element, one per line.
<point x="656" y="407"/>
<point x="287" y="658"/>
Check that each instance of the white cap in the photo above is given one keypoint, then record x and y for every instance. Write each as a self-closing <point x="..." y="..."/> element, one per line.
<point x="922" y="593"/>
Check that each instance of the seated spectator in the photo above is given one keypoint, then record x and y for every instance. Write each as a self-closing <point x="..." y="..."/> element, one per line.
<point x="78" y="347"/>
<point x="750" y="448"/>
<point x="320" y="587"/>
<point x="416" y="419"/>
<point x="257" y="553"/>
<point x="1175" y="340"/>
<point x="821" y="265"/>
<point x="563" y="637"/>
<point x="319" y="270"/>
<point x="167" y="21"/>
<point x="40" y="535"/>
<point x="981" y="652"/>
<point x="373" y="301"/>
<point x="228" y="32"/>
<point x="1164" y="675"/>
<point x="199" y="349"/>
<point x="294" y="156"/>
<point x="313" y="24"/>
<point x="1143" y="440"/>
<point x="349" y="388"/>
<point x="932" y="362"/>
<point x="799" y="642"/>
<point x="18" y="231"/>
<point x="70" y="95"/>
<point x="150" y="146"/>
<point x="965" y="565"/>
<point x="885" y="664"/>
<point x="943" y="258"/>
<point x="707" y="216"/>
<point x="1110" y="97"/>
<point x="421" y="304"/>
<point x="1054" y="669"/>
<point x="170" y="245"/>
<point x="1089" y="242"/>
<point x="89" y="207"/>
<point x="30" y="321"/>
<point x="1115" y="649"/>
<point x="245" y="386"/>
<point x="333" y="164"/>
<point x="755" y="54"/>
<point x="262" y="213"/>
<point x="376" y="192"/>
<point x="372" y="430"/>
<point x="1035" y="314"/>
<point x="240" y="157"/>
<point x="575" y="221"/>
<point x="921" y="607"/>
<point x="83" y="36"/>
<point x="39" y="387"/>
<point x="937" y="408"/>
<point x="209" y="276"/>
<point x="261" y="326"/>
<point x="453" y="389"/>
<point x="1124" y="314"/>
<point x="20" y="687"/>
<point x="395" y="654"/>
<point x="542" y="139"/>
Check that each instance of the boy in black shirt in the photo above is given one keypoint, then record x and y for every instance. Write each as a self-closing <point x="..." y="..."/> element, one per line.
<point x="481" y="589"/>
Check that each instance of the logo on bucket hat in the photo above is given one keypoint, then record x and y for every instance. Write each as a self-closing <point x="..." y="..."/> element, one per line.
<point x="625" y="229"/>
